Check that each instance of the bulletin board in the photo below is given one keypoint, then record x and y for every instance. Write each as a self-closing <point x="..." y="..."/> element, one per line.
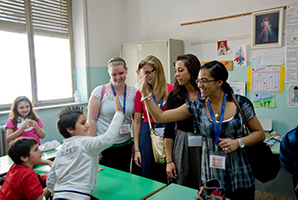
<point x="228" y="64"/>
<point x="270" y="79"/>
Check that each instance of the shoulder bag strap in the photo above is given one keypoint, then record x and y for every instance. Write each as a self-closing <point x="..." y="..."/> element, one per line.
<point x="149" y="121"/>
<point x="240" y="110"/>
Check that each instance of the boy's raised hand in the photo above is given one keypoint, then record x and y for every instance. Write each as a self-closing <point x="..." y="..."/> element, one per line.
<point x="118" y="105"/>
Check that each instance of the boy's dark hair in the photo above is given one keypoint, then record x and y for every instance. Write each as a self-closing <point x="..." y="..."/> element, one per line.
<point x="68" y="119"/>
<point x="20" y="147"/>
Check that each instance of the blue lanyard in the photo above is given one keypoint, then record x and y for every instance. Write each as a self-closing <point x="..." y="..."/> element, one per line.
<point x="161" y="101"/>
<point x="188" y="100"/>
<point x="124" y="99"/>
<point x="217" y="127"/>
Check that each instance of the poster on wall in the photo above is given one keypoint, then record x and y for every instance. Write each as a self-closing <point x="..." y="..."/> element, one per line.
<point x="291" y="44"/>
<point x="264" y="100"/>
<point x="270" y="79"/>
<point x="240" y="55"/>
<point x="223" y="49"/>
<point x="293" y="95"/>
<point x="238" y="87"/>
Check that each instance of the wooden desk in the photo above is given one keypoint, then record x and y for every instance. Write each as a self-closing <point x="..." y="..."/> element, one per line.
<point x="115" y="184"/>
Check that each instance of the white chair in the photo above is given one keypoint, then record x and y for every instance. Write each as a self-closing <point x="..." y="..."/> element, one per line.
<point x="266" y="124"/>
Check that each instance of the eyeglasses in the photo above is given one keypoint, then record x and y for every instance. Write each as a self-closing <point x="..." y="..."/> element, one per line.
<point x="203" y="82"/>
<point x="149" y="72"/>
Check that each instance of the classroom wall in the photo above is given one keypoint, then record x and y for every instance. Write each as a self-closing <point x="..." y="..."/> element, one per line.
<point x="113" y="22"/>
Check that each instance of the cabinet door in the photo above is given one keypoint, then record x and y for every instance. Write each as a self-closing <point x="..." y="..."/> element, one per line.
<point x="160" y="50"/>
<point x="131" y="53"/>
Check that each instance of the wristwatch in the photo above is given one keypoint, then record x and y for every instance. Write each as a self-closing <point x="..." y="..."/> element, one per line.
<point x="241" y="143"/>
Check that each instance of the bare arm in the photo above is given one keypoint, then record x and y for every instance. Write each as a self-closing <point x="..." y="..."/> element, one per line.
<point x="46" y="193"/>
<point x="11" y="134"/>
<point x="46" y="162"/>
<point x="256" y="135"/>
<point x="158" y="115"/>
<point x="171" y="168"/>
<point x="93" y="112"/>
<point x="40" y="133"/>
<point x="137" y="123"/>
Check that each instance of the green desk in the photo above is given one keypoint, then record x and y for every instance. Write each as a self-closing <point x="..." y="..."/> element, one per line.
<point x="175" y="191"/>
<point x="275" y="147"/>
<point x="115" y="184"/>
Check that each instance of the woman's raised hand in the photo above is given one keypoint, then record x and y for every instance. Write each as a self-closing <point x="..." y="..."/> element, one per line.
<point x="143" y="84"/>
<point x="117" y="103"/>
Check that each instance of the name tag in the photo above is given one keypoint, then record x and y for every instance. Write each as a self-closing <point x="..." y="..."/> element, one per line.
<point x="160" y="131"/>
<point x="218" y="162"/>
<point x="125" y="128"/>
<point x="194" y="140"/>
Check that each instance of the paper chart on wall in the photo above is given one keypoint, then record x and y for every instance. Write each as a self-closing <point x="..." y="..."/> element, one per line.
<point x="291" y="43"/>
<point x="270" y="79"/>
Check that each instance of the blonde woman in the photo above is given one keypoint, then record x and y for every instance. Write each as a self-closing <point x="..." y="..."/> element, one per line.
<point x="143" y="155"/>
<point x="101" y="110"/>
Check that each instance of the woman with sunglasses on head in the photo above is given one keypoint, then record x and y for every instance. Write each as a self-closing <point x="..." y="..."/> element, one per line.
<point x="101" y="110"/>
<point x="219" y="120"/>
<point x="143" y="155"/>
<point x="184" y="143"/>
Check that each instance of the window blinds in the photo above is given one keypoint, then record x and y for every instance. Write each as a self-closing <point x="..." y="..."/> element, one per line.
<point x="49" y="17"/>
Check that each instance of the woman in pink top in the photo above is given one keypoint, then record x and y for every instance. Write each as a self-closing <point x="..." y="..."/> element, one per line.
<point x="143" y="155"/>
<point x="23" y="121"/>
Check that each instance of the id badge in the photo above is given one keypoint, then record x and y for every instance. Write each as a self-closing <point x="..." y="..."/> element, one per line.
<point x="217" y="160"/>
<point x="160" y="131"/>
<point x="125" y="128"/>
<point x="194" y="140"/>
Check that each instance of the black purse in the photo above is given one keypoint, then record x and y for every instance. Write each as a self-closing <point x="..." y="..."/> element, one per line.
<point x="265" y="166"/>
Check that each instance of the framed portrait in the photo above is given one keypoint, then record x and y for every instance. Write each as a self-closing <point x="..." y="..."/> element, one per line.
<point x="267" y="29"/>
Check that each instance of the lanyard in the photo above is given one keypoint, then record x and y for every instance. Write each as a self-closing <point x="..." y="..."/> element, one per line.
<point x="124" y="99"/>
<point x="188" y="100"/>
<point x="217" y="127"/>
<point x="161" y="101"/>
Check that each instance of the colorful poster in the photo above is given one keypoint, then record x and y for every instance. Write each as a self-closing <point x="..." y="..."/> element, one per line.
<point x="265" y="100"/>
<point x="240" y="56"/>
<point x="293" y="95"/>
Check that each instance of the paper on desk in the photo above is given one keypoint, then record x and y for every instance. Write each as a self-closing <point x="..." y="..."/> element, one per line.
<point x="49" y="145"/>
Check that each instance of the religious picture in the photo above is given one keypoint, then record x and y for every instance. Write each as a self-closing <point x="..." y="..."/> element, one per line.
<point x="223" y="48"/>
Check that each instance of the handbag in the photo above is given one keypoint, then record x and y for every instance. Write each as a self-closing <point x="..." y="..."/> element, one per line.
<point x="265" y="166"/>
<point x="210" y="190"/>
<point x="158" y="145"/>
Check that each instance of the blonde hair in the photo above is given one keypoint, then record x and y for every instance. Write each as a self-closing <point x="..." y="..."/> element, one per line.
<point x="160" y="85"/>
<point x="115" y="61"/>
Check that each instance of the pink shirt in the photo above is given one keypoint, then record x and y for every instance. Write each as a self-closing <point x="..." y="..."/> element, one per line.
<point x="140" y="106"/>
<point x="27" y="133"/>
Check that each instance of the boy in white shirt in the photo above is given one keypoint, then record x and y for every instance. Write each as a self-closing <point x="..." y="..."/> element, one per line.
<point x="74" y="171"/>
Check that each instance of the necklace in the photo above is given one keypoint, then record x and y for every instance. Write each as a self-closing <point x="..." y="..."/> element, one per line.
<point x="216" y="115"/>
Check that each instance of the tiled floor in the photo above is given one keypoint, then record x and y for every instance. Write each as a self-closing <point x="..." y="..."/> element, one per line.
<point x="259" y="195"/>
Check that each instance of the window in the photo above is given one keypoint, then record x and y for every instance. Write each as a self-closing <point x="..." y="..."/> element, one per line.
<point x="35" y="51"/>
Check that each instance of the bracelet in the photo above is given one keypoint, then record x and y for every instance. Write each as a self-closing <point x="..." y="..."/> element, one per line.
<point x="137" y="150"/>
<point x="169" y="162"/>
<point x="146" y="98"/>
<point x="40" y="132"/>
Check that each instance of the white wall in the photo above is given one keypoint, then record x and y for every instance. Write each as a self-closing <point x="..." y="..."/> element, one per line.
<point x="112" y="22"/>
